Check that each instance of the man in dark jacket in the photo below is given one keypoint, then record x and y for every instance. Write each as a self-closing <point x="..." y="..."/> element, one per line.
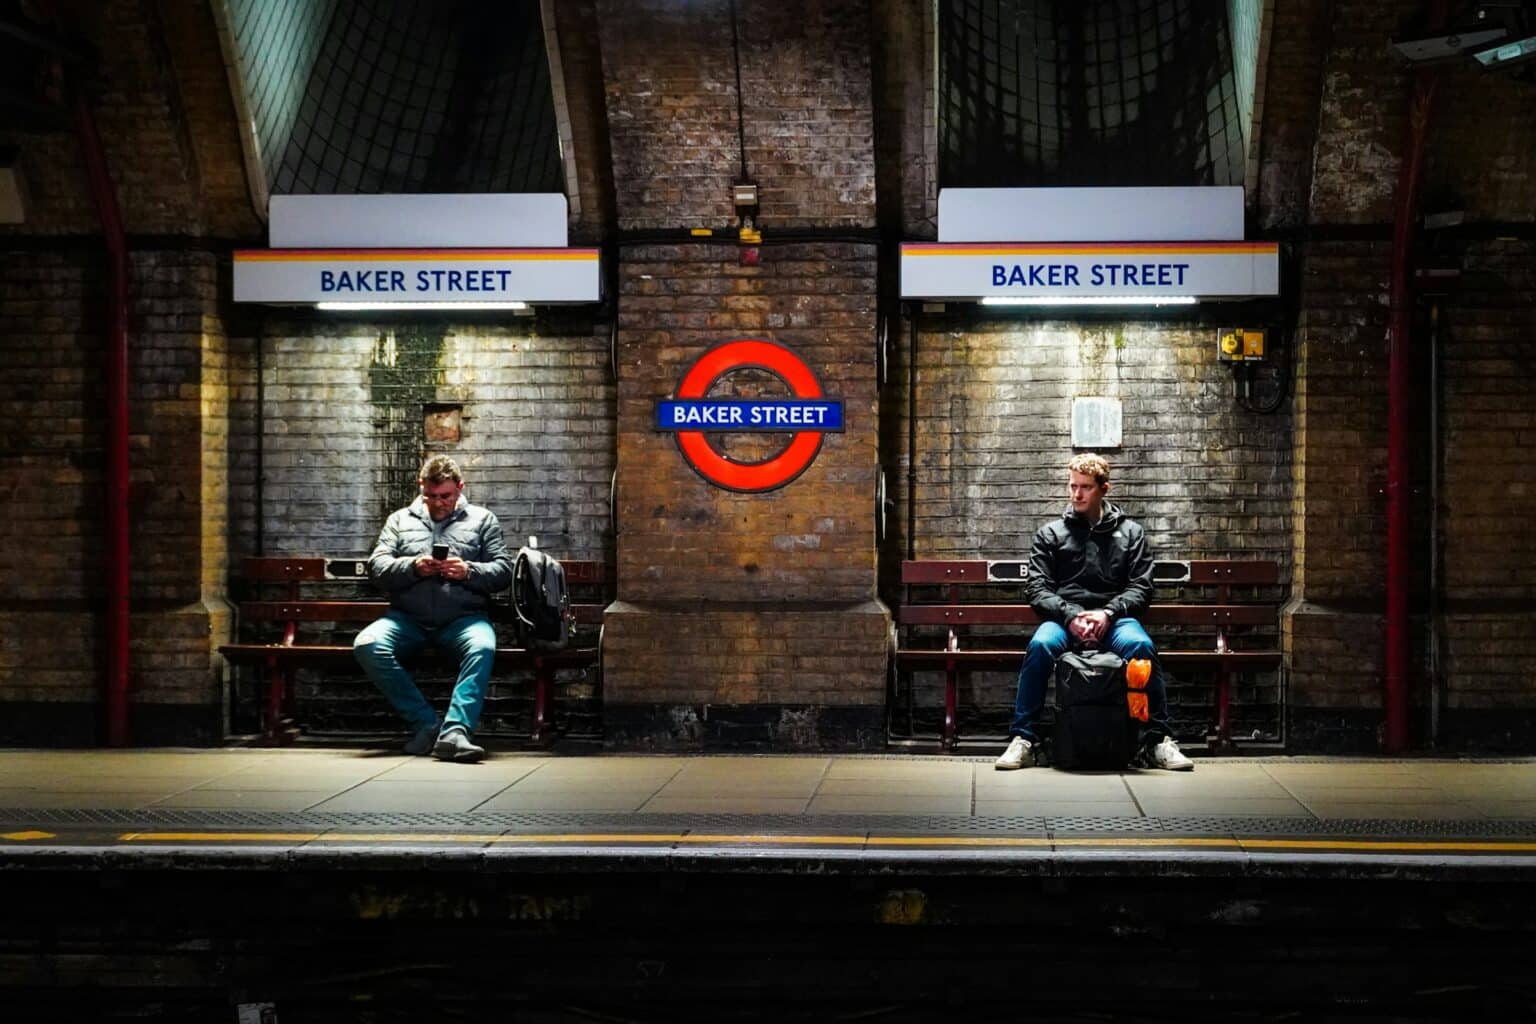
<point x="441" y="601"/>
<point x="1090" y="575"/>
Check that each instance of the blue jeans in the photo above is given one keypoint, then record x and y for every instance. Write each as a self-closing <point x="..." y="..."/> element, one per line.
<point x="1126" y="638"/>
<point x="380" y="647"/>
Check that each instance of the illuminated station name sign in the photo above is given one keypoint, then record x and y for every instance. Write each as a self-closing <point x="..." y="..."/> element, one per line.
<point x="968" y="270"/>
<point x="418" y="251"/>
<point x="1086" y="246"/>
<point x="452" y="275"/>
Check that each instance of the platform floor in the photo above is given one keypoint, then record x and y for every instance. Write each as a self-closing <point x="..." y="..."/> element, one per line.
<point x="869" y="807"/>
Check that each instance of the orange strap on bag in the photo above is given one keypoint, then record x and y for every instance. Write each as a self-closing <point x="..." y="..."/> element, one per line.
<point x="1137" y="673"/>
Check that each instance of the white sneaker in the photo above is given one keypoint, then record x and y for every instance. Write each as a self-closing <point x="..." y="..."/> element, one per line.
<point x="1167" y="755"/>
<point x="1019" y="751"/>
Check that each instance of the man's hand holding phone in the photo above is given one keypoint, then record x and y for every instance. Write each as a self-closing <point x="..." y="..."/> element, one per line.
<point x="435" y="563"/>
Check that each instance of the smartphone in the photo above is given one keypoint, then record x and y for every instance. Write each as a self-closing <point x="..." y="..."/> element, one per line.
<point x="439" y="551"/>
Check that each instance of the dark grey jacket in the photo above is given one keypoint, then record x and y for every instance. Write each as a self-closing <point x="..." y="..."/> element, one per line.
<point x="471" y="532"/>
<point x="1076" y="567"/>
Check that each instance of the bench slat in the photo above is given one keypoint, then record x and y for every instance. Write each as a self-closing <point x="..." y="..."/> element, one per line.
<point x="1212" y="571"/>
<point x="268" y="569"/>
<point x="312" y="611"/>
<point x="326" y="653"/>
<point x="1024" y="615"/>
<point x="365" y="611"/>
<point x="1207" y="571"/>
<point x="941" y="571"/>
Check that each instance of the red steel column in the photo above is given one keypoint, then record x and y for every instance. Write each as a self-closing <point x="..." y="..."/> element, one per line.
<point x="104" y="194"/>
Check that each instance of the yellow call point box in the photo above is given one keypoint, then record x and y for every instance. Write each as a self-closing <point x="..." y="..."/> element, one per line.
<point x="1237" y="344"/>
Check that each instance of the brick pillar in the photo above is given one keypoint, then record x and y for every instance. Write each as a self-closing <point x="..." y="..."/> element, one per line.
<point x="746" y="618"/>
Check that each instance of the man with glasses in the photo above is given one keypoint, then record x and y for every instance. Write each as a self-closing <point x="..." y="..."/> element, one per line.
<point x="440" y="559"/>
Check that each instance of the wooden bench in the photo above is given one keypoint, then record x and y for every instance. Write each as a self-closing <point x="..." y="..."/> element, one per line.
<point x="296" y="610"/>
<point x="934" y="633"/>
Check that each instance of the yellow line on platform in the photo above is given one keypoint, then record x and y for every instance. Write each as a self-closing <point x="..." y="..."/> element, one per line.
<point x="931" y="841"/>
<point x="217" y="837"/>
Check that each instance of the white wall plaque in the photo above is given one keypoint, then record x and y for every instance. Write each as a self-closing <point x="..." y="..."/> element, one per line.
<point x="1096" y="423"/>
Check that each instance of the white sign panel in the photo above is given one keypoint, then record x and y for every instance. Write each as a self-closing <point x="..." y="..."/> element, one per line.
<point x="382" y="276"/>
<point x="500" y="221"/>
<point x="1194" y="214"/>
<point x="962" y="271"/>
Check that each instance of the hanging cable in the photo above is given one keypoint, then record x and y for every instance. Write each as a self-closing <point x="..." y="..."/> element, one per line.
<point x="741" y="128"/>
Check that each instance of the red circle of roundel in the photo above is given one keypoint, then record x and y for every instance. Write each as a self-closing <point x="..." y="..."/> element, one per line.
<point x="755" y="476"/>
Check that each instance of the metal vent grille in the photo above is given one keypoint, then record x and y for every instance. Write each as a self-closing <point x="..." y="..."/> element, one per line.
<point x="1102" y="92"/>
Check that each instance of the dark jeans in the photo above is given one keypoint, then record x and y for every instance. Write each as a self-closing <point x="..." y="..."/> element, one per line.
<point x="1126" y="638"/>
<point x="385" y="641"/>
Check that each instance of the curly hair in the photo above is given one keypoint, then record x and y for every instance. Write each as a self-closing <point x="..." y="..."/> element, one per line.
<point x="1092" y="465"/>
<point x="439" y="468"/>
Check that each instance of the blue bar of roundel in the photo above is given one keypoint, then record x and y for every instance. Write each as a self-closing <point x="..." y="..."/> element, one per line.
<point x="732" y="415"/>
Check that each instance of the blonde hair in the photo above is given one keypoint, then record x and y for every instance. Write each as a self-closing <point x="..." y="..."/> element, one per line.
<point x="439" y="468"/>
<point x="1092" y="465"/>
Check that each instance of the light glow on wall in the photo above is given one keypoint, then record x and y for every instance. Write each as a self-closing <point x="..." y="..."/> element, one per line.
<point x="1090" y="300"/>
<point x="377" y="307"/>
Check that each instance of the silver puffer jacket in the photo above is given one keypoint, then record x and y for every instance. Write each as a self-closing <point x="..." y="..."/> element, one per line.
<point x="471" y="532"/>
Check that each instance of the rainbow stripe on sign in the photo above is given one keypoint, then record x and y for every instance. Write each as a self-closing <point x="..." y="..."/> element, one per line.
<point x="417" y="275"/>
<point x="1054" y="270"/>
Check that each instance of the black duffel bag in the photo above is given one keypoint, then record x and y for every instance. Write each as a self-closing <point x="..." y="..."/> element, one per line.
<point x="1094" y="729"/>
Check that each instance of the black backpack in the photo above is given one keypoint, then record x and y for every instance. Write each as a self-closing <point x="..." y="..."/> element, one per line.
<point x="1094" y="728"/>
<point x="540" y="600"/>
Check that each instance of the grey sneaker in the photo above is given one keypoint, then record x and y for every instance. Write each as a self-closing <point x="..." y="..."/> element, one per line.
<point x="422" y="739"/>
<point x="1168" y="756"/>
<point x="1019" y="751"/>
<point x="453" y="745"/>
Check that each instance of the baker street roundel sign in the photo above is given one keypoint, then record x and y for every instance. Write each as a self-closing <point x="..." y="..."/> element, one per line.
<point x="805" y="415"/>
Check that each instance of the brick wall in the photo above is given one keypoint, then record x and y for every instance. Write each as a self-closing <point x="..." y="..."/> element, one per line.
<point x="750" y="601"/>
<point x="1489" y="481"/>
<point x="574" y="27"/>
<point x="342" y="436"/>
<point x="672" y="111"/>
<point x="336" y="426"/>
<point x="51" y="397"/>
<point x="1206" y="478"/>
<point x="1478" y="163"/>
<point x="808" y="111"/>
<point x="1362" y="115"/>
<point x="906" y="116"/>
<point x="176" y="168"/>
<point x="1293" y="83"/>
<point x="1341" y="433"/>
<point x="1480" y="157"/>
<point x="812" y="541"/>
